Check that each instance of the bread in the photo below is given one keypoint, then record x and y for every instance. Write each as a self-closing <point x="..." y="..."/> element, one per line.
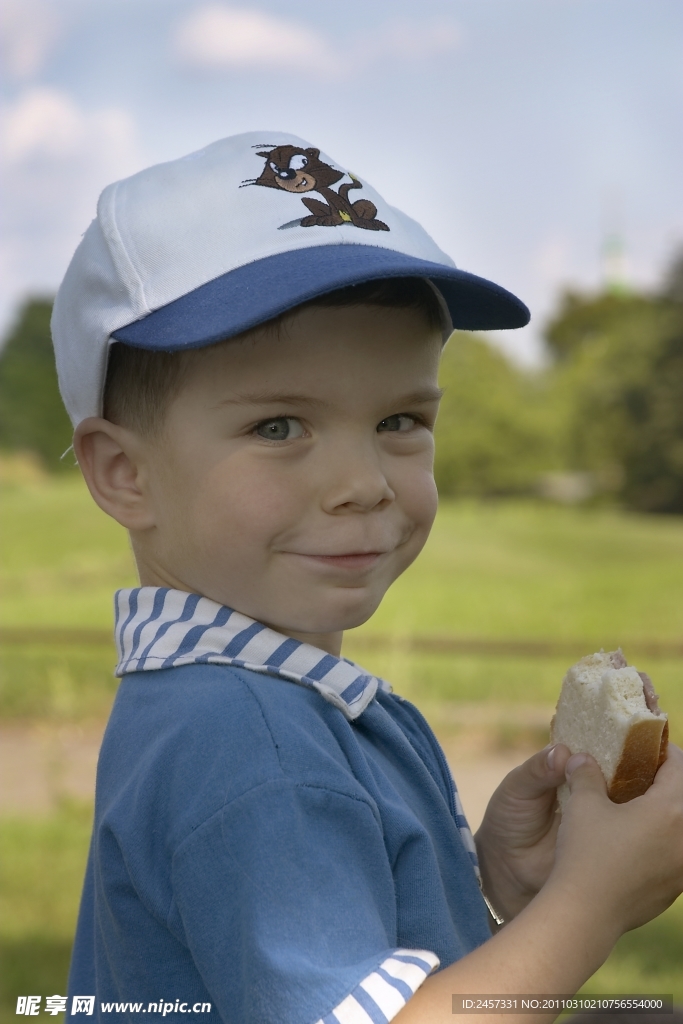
<point x="610" y="710"/>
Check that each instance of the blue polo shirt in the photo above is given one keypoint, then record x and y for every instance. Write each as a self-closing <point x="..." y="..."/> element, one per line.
<point x="261" y="842"/>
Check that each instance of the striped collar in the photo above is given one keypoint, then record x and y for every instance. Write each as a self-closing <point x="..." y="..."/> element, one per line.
<point x="161" y="628"/>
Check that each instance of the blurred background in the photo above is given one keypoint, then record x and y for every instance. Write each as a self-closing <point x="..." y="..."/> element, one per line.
<point x="540" y="144"/>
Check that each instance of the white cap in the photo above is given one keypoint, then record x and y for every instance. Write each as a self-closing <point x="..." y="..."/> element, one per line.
<point x="188" y="253"/>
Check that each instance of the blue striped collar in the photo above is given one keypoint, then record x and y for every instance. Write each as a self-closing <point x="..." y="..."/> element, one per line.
<point x="161" y="628"/>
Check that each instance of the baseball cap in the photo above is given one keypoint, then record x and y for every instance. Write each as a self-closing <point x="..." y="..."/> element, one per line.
<point x="200" y="249"/>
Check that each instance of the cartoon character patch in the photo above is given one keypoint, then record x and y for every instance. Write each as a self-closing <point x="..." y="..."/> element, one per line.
<point x="301" y="170"/>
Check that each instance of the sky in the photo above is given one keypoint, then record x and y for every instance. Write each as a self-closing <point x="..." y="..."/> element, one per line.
<point x="522" y="134"/>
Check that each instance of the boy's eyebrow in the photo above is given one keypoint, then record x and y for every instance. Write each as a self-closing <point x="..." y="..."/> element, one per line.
<point x="423" y="395"/>
<point x="428" y="394"/>
<point x="270" y="398"/>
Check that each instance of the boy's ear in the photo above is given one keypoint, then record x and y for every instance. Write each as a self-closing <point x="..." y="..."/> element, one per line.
<point x="112" y="460"/>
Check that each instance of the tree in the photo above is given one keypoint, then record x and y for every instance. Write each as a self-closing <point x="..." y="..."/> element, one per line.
<point x="619" y="366"/>
<point x="673" y="281"/>
<point x="32" y="416"/>
<point x="583" y="320"/>
<point x="494" y="432"/>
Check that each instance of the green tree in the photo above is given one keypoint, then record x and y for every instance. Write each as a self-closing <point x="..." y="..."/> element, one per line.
<point x="619" y="380"/>
<point x="582" y="320"/>
<point x="32" y="416"/>
<point x="495" y="431"/>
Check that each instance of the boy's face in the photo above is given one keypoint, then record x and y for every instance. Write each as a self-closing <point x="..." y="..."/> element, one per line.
<point x="293" y="477"/>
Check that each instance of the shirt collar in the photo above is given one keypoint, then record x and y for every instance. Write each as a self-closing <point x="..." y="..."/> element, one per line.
<point x="160" y="628"/>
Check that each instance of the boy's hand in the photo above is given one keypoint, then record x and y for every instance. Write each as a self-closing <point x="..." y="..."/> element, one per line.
<point x="596" y="851"/>
<point x="627" y="858"/>
<point x="516" y="839"/>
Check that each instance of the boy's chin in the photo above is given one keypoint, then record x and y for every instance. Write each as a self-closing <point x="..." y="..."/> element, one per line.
<point x="317" y="621"/>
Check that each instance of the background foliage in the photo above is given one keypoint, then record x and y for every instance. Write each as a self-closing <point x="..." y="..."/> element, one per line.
<point x="495" y="431"/>
<point x="618" y="378"/>
<point x="609" y="404"/>
<point x="32" y="416"/>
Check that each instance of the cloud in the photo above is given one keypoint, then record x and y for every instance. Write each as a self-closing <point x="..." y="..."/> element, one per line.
<point x="55" y="159"/>
<point x="28" y="31"/>
<point x="43" y="122"/>
<point x="217" y="37"/>
<point x="413" y="40"/>
<point x="45" y="129"/>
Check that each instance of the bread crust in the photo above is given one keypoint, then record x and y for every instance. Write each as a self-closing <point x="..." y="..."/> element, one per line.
<point x="644" y="751"/>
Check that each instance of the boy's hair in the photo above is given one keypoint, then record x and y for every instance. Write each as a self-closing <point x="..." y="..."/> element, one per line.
<point x="141" y="383"/>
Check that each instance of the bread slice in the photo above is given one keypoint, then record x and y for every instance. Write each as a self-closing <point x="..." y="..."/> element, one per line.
<point x="610" y="710"/>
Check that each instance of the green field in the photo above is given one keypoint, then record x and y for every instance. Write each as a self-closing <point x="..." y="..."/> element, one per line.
<point x="495" y="571"/>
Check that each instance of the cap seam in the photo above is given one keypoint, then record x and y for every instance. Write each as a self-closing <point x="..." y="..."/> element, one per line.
<point x="120" y="255"/>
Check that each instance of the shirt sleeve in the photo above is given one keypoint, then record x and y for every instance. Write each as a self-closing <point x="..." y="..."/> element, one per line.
<point x="285" y="898"/>
<point x="385" y="991"/>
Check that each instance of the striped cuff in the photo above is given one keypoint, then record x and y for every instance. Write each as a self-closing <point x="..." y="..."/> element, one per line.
<point x="381" y="995"/>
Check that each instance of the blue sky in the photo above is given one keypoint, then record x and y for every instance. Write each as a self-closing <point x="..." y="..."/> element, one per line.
<point x="519" y="132"/>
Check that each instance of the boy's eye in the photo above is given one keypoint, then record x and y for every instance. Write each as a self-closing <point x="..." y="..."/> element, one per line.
<point x="401" y="421"/>
<point x="282" y="428"/>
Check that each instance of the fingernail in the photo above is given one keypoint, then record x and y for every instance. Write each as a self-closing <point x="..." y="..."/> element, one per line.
<point x="550" y="758"/>
<point x="574" y="762"/>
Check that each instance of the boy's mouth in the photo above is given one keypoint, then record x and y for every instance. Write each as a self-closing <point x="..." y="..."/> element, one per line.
<point x="354" y="560"/>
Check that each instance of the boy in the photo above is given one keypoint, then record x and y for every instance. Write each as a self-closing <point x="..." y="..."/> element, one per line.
<point x="252" y="376"/>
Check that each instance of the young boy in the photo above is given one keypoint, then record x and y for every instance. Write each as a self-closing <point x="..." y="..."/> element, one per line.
<point x="249" y="356"/>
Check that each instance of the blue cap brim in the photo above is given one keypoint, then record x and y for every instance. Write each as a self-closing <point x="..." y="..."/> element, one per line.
<point x="262" y="290"/>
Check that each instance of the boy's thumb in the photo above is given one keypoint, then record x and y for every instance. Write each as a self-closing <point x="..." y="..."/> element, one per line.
<point x="583" y="772"/>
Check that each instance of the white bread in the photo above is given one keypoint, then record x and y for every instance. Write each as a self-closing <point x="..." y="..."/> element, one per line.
<point x="610" y="710"/>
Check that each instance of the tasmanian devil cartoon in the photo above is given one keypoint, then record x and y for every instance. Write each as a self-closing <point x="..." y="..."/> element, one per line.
<point x="302" y="170"/>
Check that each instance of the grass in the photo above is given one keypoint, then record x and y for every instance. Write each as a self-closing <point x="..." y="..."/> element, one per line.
<point x="56" y="682"/>
<point x="42" y="861"/>
<point x="62" y="558"/>
<point x="530" y="570"/>
<point x="648" y="960"/>
<point x="500" y="570"/>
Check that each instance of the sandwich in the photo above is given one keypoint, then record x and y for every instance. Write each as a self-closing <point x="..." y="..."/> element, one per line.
<point x="610" y="710"/>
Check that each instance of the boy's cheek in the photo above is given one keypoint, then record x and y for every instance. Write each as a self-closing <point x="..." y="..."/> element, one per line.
<point x="420" y="497"/>
<point x="240" y="491"/>
<point x="418" y="504"/>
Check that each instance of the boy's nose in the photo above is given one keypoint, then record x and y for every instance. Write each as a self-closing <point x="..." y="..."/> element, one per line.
<point x="354" y="481"/>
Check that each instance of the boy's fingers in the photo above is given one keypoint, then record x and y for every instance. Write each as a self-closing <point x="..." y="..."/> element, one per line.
<point x="674" y="757"/>
<point x="583" y="773"/>
<point x="669" y="778"/>
<point x="541" y="772"/>
<point x="556" y="757"/>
